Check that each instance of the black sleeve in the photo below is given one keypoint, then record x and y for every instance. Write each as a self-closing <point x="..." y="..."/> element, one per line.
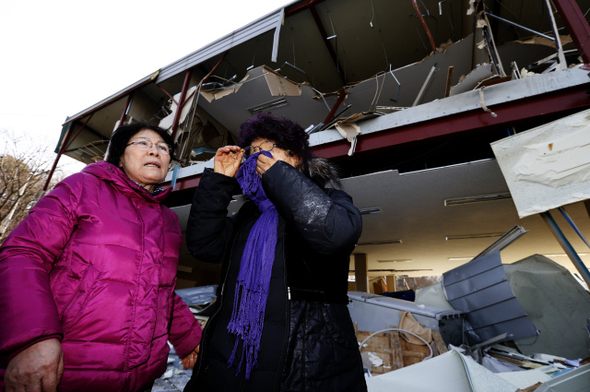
<point x="327" y="220"/>
<point x="209" y="229"/>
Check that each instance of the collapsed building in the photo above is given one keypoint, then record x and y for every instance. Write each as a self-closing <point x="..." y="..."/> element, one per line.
<point x="407" y="98"/>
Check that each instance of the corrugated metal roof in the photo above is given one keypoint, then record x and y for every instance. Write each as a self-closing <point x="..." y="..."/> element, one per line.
<point x="254" y="29"/>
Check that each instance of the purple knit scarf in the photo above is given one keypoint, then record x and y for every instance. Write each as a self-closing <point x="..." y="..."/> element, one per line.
<point x="247" y="320"/>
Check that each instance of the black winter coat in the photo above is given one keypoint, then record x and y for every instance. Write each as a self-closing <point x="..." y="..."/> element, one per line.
<point x="308" y="341"/>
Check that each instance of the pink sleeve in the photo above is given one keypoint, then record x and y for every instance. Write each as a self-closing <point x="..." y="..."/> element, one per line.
<point x="185" y="330"/>
<point x="27" y="255"/>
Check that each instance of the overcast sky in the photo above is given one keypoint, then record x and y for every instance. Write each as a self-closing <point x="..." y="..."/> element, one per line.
<point x="60" y="57"/>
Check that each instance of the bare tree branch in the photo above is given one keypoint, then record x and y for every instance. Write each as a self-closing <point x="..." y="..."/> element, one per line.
<point x="23" y="172"/>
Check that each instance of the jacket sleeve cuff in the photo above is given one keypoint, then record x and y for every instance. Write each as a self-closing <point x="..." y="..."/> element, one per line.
<point x="31" y="343"/>
<point x="190" y="341"/>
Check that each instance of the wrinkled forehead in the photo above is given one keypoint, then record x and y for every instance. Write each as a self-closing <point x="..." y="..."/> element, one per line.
<point x="147" y="134"/>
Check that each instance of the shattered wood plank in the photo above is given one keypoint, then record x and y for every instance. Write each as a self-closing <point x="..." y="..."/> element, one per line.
<point x="531" y="388"/>
<point x="522" y="363"/>
<point x="397" y="361"/>
<point x="449" y="79"/>
<point x="386" y="347"/>
<point x="380" y="347"/>
<point x="413" y="353"/>
<point x="378" y="342"/>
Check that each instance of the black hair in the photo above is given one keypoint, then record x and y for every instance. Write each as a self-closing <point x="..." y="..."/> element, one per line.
<point x="292" y="138"/>
<point x="121" y="136"/>
<point x="285" y="133"/>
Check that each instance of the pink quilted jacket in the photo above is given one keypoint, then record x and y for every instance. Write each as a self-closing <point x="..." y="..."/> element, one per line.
<point x="94" y="264"/>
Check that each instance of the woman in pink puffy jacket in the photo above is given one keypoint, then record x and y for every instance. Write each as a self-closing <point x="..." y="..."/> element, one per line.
<point x="87" y="280"/>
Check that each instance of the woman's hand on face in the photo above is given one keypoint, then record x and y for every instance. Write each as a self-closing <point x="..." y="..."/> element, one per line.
<point x="227" y="160"/>
<point x="37" y="368"/>
<point x="189" y="361"/>
<point x="263" y="163"/>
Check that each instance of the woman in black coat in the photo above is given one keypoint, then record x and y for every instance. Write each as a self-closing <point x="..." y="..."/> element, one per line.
<point x="281" y="322"/>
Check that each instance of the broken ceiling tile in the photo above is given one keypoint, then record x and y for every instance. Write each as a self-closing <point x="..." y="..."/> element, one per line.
<point x="547" y="167"/>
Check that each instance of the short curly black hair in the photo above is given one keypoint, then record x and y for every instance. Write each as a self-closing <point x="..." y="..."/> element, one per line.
<point x="121" y="136"/>
<point x="285" y="133"/>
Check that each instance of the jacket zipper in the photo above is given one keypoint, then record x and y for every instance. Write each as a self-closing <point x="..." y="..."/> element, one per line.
<point x="287" y="315"/>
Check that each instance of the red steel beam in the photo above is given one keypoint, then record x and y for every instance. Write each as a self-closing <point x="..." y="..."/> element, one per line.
<point x="576" y="25"/>
<point x="63" y="148"/>
<point x="187" y="79"/>
<point x="122" y="118"/>
<point x="424" y="25"/>
<point x="507" y="114"/>
<point x="339" y="101"/>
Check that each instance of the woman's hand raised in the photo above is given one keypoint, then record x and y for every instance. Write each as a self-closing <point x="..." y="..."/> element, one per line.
<point x="227" y="160"/>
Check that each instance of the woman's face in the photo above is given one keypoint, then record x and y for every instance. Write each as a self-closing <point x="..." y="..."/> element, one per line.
<point x="147" y="167"/>
<point x="277" y="152"/>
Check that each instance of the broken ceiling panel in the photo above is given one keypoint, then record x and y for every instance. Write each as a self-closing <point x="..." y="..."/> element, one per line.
<point x="527" y="54"/>
<point x="547" y="167"/>
<point x="400" y="87"/>
<point x="262" y="89"/>
<point x="166" y="122"/>
<point x="473" y="79"/>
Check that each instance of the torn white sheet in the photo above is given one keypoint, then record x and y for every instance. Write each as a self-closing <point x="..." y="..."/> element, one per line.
<point x="471" y="8"/>
<point x="548" y="166"/>
<point x="279" y="85"/>
<point x="433" y="295"/>
<point x="375" y="360"/>
<point x="448" y="372"/>
<point x="211" y="96"/>
<point x="525" y="378"/>
<point x="167" y="121"/>
<point x="472" y="79"/>
<point x="349" y="132"/>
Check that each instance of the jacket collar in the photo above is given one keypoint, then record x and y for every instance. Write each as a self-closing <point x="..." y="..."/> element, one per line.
<point x="109" y="172"/>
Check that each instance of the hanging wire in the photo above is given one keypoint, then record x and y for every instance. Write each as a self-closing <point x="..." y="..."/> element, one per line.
<point x="251" y="66"/>
<point x="378" y="91"/>
<point x="451" y="18"/>
<point x="332" y="24"/>
<point x="334" y="36"/>
<point x="293" y="45"/>
<point x="399" y="85"/>
<point x="323" y="98"/>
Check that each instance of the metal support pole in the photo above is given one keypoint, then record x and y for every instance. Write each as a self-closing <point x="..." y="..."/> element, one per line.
<point x="361" y="272"/>
<point x="567" y="247"/>
<point x="63" y="148"/>
<point x="187" y="78"/>
<point x="339" y="101"/>
<point x="125" y="109"/>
